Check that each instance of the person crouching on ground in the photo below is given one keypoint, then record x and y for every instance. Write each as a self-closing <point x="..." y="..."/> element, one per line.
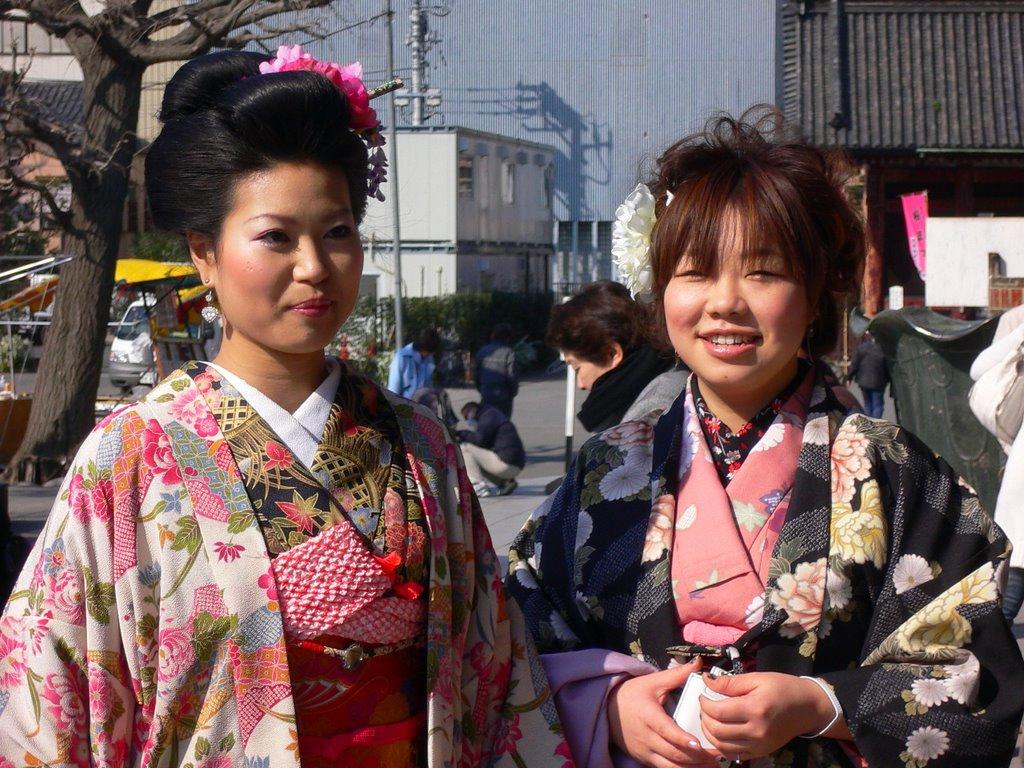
<point x="492" y="449"/>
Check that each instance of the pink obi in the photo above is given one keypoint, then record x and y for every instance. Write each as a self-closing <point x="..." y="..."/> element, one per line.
<point x="355" y="635"/>
<point x="724" y="537"/>
<point x="333" y="584"/>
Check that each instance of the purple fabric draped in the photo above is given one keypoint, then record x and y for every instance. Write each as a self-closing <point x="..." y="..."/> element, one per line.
<point x="581" y="682"/>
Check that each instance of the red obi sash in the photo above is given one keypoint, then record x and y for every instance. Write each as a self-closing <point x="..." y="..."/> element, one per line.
<point x="372" y="715"/>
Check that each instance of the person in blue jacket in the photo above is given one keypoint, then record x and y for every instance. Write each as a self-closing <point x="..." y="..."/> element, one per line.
<point x="413" y="365"/>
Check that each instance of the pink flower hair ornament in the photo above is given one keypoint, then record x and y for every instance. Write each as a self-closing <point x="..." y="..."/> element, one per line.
<point x="348" y="79"/>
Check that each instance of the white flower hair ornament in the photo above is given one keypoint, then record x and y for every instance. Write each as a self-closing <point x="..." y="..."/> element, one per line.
<point x="631" y="241"/>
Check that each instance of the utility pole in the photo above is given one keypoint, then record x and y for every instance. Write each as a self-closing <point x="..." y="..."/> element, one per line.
<point x="423" y="99"/>
<point x="396" y="240"/>
<point x="415" y="41"/>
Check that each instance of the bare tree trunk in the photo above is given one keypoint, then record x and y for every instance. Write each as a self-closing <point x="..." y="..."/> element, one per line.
<point x="69" y="372"/>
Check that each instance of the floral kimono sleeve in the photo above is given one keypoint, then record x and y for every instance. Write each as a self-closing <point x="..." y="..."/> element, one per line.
<point x="541" y="569"/>
<point x="914" y="560"/>
<point x="66" y="696"/>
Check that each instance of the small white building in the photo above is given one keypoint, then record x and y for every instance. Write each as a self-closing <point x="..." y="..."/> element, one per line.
<point x="475" y="214"/>
<point x="964" y="253"/>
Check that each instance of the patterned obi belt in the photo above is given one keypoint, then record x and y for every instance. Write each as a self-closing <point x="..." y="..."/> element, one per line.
<point x="356" y="637"/>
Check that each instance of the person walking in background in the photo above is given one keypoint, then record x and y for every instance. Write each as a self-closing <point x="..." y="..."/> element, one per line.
<point x="497" y="375"/>
<point x="492" y="449"/>
<point x="871" y="373"/>
<point x="999" y="407"/>
<point x="413" y="365"/>
<point x="601" y="332"/>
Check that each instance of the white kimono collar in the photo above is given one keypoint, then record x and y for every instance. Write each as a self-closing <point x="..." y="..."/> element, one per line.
<point x="302" y="431"/>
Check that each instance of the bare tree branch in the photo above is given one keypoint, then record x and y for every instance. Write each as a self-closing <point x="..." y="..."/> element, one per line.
<point x="211" y="23"/>
<point x="58" y="17"/>
<point x="241" y="39"/>
<point x="14" y="182"/>
<point x="25" y="118"/>
<point x="12" y="178"/>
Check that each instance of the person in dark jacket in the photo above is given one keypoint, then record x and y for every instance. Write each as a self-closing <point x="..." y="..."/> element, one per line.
<point x="871" y="373"/>
<point x="497" y="376"/>
<point x="492" y="449"/>
<point x="600" y="332"/>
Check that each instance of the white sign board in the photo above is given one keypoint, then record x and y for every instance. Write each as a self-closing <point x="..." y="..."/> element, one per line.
<point x="958" y="250"/>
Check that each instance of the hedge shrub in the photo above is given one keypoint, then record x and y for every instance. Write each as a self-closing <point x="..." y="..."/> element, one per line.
<point x="464" y="319"/>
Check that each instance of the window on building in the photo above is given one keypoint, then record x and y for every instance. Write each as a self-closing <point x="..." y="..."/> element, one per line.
<point x="508" y="182"/>
<point x="483" y="181"/>
<point x="465" y="174"/>
<point x="585" y="237"/>
<point x="549" y="186"/>
<point x="38" y="39"/>
<point x="565" y="236"/>
<point x="604" y="236"/>
<point x="13" y="36"/>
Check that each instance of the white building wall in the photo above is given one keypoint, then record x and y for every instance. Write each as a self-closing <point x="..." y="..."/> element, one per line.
<point x="423" y="273"/>
<point x="426" y="191"/>
<point x="489" y="236"/>
<point x="958" y="255"/>
<point x="511" y="200"/>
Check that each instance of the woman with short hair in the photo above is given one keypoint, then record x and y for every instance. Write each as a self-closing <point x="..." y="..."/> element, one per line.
<point x="841" y="579"/>
<point x="602" y="334"/>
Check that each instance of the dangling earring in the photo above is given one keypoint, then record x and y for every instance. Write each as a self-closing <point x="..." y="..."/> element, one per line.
<point x="210" y="313"/>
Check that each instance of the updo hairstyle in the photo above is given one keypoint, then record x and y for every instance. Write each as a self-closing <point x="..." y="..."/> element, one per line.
<point x="223" y="120"/>
<point x="788" y="195"/>
<point x="587" y="324"/>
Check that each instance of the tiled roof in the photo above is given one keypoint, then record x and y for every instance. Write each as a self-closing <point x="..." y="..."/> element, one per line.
<point x="933" y="74"/>
<point x="61" y="100"/>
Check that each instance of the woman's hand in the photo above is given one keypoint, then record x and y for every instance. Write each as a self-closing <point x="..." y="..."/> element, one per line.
<point x="641" y="728"/>
<point x="765" y="711"/>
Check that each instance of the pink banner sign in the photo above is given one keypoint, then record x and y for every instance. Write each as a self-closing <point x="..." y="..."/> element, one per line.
<point x="915" y="213"/>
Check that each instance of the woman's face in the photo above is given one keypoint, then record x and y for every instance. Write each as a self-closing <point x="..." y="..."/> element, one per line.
<point x="588" y="372"/>
<point x="286" y="266"/>
<point x="740" y="325"/>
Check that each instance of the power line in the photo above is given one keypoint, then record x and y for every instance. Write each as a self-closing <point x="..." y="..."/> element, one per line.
<point x="354" y="25"/>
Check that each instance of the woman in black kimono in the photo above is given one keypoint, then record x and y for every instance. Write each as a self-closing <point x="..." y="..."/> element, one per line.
<point x="834" y="561"/>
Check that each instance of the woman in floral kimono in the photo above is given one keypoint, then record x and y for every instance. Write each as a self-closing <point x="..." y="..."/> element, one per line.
<point x="832" y="559"/>
<point x="269" y="561"/>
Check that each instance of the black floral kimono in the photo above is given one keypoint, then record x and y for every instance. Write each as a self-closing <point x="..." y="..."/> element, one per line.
<point x="883" y="583"/>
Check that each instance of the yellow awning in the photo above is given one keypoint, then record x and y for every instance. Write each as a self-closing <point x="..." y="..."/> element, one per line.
<point x="145" y="272"/>
<point x="189" y="294"/>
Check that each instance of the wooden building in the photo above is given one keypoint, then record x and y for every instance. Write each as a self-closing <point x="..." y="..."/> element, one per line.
<point x="923" y="95"/>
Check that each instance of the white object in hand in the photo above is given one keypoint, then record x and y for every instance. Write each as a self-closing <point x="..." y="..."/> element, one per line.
<point x="687" y="713"/>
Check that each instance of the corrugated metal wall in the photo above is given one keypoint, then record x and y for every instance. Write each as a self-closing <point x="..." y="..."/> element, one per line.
<point x="607" y="83"/>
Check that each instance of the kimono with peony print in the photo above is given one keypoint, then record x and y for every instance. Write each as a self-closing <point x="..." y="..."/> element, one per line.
<point x="883" y="582"/>
<point x="147" y="627"/>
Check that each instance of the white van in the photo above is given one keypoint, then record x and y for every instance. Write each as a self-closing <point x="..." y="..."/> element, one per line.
<point x="131" y="352"/>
